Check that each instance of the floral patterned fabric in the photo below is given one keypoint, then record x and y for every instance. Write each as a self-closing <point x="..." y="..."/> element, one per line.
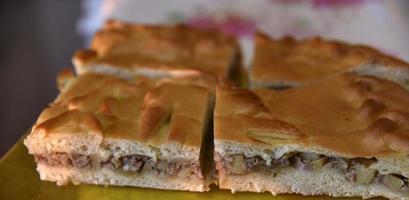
<point x="383" y="24"/>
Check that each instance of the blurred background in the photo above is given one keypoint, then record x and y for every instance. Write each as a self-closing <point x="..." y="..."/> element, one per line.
<point x="39" y="37"/>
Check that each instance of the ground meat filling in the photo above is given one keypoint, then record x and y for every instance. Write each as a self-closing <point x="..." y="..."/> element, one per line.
<point x="356" y="170"/>
<point x="138" y="163"/>
<point x="129" y="163"/>
<point x="64" y="159"/>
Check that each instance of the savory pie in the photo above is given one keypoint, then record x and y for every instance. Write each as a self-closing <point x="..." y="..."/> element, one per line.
<point x="347" y="135"/>
<point x="286" y="62"/>
<point x="140" y="132"/>
<point x="156" y="51"/>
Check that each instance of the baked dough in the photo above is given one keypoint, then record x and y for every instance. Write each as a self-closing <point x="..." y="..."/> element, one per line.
<point x="294" y="140"/>
<point x="156" y="51"/>
<point x="286" y="62"/>
<point x="137" y="132"/>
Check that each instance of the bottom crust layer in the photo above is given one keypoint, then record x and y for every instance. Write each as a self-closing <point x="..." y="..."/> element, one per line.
<point x="104" y="176"/>
<point x="322" y="182"/>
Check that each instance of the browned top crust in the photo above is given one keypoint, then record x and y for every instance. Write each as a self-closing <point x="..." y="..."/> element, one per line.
<point x="348" y="114"/>
<point x="291" y="62"/>
<point x="177" y="49"/>
<point x="144" y="110"/>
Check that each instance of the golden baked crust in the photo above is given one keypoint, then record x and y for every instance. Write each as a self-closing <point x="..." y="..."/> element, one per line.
<point x="347" y="114"/>
<point x="287" y="62"/>
<point x="144" y="110"/>
<point x="171" y="50"/>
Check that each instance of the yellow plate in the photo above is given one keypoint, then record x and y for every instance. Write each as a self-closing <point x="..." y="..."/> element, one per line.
<point x="19" y="180"/>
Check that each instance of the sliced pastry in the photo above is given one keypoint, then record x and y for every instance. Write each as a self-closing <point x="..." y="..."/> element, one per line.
<point x="126" y="50"/>
<point x="110" y="131"/>
<point x="344" y="136"/>
<point x="286" y="62"/>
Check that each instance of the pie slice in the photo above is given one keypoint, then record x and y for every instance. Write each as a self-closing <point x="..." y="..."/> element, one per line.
<point x="110" y="131"/>
<point x="283" y="63"/>
<point x="344" y="136"/>
<point x="156" y="51"/>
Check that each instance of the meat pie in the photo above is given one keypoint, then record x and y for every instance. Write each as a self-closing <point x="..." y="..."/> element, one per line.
<point x="140" y="132"/>
<point x="344" y="136"/>
<point x="157" y="51"/>
<point x="286" y="62"/>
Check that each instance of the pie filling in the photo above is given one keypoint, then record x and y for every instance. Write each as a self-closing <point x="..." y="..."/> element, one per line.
<point x="129" y="163"/>
<point x="356" y="170"/>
